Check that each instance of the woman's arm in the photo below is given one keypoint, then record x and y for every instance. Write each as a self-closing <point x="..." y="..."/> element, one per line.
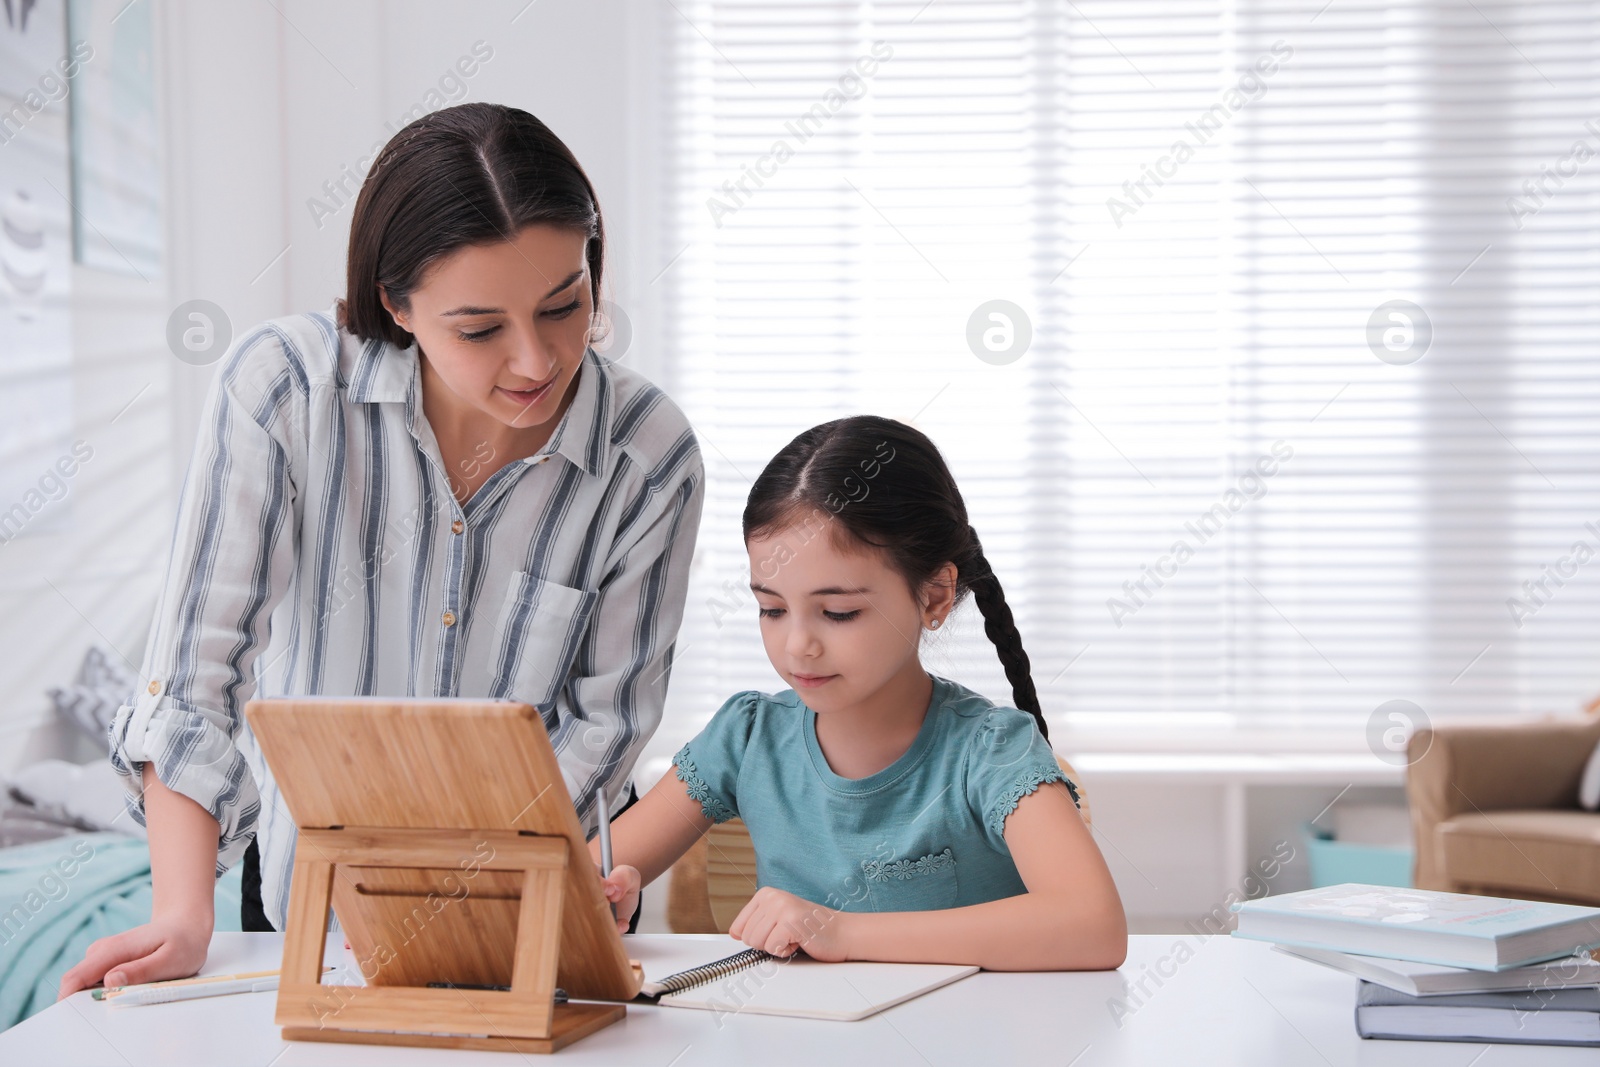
<point x="647" y="839"/>
<point x="1070" y="918"/>
<point x="230" y="562"/>
<point x="183" y="864"/>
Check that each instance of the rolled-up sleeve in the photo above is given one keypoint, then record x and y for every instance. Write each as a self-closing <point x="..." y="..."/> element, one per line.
<point x="613" y="699"/>
<point x="232" y="557"/>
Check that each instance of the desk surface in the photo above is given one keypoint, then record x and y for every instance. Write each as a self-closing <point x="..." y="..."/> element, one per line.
<point x="1217" y="1000"/>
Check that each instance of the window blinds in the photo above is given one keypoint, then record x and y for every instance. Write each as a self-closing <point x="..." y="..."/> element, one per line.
<point x="1307" y="416"/>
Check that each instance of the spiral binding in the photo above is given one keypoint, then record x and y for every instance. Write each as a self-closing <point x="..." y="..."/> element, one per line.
<point x="710" y="972"/>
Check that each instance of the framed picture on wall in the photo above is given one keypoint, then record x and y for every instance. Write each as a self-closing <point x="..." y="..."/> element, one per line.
<point x="116" y="163"/>
<point x="37" y="69"/>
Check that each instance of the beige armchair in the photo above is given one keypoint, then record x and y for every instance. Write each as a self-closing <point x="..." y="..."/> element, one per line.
<point x="1494" y="808"/>
<point x="712" y="882"/>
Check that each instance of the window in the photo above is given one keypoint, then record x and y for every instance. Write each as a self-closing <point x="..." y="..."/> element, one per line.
<point x="1308" y="417"/>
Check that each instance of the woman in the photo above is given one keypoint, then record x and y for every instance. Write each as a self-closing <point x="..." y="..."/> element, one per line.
<point x="437" y="489"/>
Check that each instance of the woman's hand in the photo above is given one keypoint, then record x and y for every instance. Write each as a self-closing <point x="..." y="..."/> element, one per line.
<point x="160" y="949"/>
<point x="781" y="922"/>
<point x="622" y="889"/>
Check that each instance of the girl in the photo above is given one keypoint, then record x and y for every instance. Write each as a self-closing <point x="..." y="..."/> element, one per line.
<point x="895" y="815"/>
<point x="437" y="489"/>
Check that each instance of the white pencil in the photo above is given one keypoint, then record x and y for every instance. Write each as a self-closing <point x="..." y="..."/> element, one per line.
<point x="192" y="988"/>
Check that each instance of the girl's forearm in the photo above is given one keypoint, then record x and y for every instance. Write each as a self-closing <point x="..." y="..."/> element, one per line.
<point x="183" y="853"/>
<point x="1028" y="932"/>
<point x="657" y="830"/>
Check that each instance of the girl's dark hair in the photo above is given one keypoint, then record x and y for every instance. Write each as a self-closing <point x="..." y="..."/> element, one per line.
<point x="886" y="485"/>
<point x="464" y="175"/>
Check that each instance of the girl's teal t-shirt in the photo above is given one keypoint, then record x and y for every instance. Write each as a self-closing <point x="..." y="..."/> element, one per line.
<point x="924" y="833"/>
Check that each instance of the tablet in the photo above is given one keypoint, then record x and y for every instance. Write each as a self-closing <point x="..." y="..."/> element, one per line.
<point x="468" y="772"/>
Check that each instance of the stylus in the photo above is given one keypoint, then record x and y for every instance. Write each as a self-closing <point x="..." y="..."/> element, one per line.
<point x="603" y="813"/>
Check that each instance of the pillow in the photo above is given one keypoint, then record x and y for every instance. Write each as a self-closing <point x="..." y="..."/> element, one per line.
<point x="103" y="684"/>
<point x="1589" y="784"/>
<point x="86" y="796"/>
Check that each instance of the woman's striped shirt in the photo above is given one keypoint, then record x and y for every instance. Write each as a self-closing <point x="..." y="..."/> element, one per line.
<point x="319" y="549"/>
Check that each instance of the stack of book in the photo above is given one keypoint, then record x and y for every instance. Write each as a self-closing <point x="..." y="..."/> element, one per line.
<point x="1446" y="966"/>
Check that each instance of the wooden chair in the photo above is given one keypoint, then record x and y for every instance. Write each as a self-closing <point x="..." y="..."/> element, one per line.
<point x="712" y="882"/>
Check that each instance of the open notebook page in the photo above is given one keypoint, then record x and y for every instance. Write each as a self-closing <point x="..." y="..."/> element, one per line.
<point x="800" y="987"/>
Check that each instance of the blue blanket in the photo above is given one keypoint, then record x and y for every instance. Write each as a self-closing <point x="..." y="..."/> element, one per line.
<point x="58" y="896"/>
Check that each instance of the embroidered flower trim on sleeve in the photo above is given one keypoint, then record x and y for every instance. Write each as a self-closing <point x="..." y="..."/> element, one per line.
<point x="710" y="806"/>
<point x="904" y="870"/>
<point x="1028" y="781"/>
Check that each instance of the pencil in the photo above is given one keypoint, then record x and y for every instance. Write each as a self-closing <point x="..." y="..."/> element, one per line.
<point x="186" y="988"/>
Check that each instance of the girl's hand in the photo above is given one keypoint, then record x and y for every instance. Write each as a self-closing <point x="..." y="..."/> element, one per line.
<point x="622" y="889"/>
<point x="781" y="922"/>
<point x="160" y="949"/>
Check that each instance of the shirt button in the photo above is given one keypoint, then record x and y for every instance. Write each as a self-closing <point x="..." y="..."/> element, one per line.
<point x="155" y="687"/>
<point x="457" y="526"/>
<point x="449" y="618"/>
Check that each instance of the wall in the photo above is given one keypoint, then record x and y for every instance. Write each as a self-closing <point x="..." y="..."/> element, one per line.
<point x="93" y="578"/>
<point x="262" y="104"/>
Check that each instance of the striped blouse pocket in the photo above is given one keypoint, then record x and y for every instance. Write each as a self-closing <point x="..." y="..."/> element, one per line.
<point x="541" y="627"/>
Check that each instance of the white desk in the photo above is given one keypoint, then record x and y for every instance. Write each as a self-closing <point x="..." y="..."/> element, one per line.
<point x="1232" y="1003"/>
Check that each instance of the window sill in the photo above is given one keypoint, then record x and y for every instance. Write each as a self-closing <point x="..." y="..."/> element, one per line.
<point x="1246" y="768"/>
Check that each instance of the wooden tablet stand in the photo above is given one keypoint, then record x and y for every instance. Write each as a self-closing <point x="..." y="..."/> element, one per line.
<point x="442" y="835"/>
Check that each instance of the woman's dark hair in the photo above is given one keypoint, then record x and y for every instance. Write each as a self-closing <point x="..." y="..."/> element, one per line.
<point x="886" y="485"/>
<point x="464" y="175"/>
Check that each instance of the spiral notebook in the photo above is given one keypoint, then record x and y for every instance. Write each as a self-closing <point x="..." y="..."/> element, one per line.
<point x="716" y="973"/>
